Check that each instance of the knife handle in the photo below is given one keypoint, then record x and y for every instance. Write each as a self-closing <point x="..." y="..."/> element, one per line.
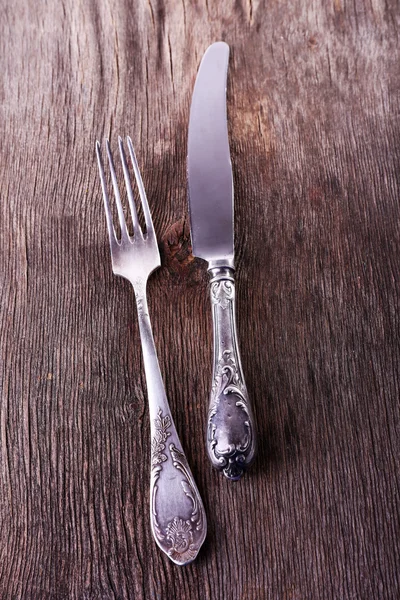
<point x="231" y="435"/>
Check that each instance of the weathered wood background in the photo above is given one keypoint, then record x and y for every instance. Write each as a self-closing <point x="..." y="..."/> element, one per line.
<point x="314" y="109"/>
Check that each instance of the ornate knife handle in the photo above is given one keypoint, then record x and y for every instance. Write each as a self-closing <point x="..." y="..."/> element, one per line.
<point x="231" y="435"/>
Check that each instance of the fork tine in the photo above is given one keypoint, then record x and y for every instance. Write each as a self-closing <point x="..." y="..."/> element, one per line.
<point x="142" y="193"/>
<point x="135" y="220"/>
<point x="111" y="230"/>
<point x="124" y="231"/>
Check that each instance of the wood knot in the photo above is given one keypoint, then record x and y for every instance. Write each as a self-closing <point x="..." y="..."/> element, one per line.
<point x="176" y="250"/>
<point x="176" y="246"/>
<point x="177" y="257"/>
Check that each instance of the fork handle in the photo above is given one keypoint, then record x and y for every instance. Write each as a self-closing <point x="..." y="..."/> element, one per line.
<point x="231" y="435"/>
<point x="177" y="516"/>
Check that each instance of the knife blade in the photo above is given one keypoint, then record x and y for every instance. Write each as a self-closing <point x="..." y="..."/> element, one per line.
<point x="230" y="431"/>
<point x="209" y="163"/>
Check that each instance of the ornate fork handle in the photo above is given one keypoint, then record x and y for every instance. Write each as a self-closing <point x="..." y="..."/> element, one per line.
<point x="231" y="436"/>
<point x="177" y="514"/>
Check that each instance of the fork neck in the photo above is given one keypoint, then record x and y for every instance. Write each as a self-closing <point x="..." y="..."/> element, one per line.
<point x="141" y="301"/>
<point x="154" y="380"/>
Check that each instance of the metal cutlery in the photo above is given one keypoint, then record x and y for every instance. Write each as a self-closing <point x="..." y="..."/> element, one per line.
<point x="231" y="435"/>
<point x="177" y="515"/>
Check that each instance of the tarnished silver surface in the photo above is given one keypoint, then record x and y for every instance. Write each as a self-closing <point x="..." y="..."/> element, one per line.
<point x="177" y="515"/>
<point x="231" y="442"/>
<point x="231" y="436"/>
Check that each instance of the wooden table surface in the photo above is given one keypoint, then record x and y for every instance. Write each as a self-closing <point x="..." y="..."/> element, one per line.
<point x="314" y="107"/>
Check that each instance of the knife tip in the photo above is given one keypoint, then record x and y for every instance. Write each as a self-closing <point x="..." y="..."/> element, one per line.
<point x="221" y="43"/>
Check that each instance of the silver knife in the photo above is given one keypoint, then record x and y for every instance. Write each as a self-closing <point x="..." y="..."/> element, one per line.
<point x="231" y="436"/>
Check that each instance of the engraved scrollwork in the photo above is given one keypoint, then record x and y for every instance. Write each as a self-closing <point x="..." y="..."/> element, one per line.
<point x="222" y="292"/>
<point x="230" y="435"/>
<point x="179" y="532"/>
<point x="180" y="535"/>
<point x="161" y="426"/>
<point x="188" y="485"/>
<point x="231" y="443"/>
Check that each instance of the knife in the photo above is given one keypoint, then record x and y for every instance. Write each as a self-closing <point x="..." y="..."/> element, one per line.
<point x="230" y="436"/>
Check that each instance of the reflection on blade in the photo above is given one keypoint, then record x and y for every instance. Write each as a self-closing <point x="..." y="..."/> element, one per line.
<point x="209" y="165"/>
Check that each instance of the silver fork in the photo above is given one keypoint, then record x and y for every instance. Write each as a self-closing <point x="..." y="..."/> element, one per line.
<point x="177" y="515"/>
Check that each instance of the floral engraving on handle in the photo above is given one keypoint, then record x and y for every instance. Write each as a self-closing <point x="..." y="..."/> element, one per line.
<point x="161" y="435"/>
<point x="222" y="292"/>
<point x="229" y="390"/>
<point x="179" y="533"/>
<point x="162" y="424"/>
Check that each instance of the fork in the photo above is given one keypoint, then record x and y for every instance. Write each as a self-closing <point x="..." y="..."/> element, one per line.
<point x="177" y="515"/>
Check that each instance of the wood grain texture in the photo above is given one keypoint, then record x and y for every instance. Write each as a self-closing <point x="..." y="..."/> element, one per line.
<point x="314" y="104"/>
